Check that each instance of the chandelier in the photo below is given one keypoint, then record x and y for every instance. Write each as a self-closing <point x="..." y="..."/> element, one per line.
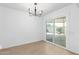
<point x="35" y="12"/>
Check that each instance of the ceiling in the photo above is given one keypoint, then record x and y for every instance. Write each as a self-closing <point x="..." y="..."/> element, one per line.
<point x="46" y="7"/>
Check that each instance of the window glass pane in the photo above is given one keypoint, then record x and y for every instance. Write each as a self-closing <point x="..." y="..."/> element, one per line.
<point x="59" y="29"/>
<point x="49" y="28"/>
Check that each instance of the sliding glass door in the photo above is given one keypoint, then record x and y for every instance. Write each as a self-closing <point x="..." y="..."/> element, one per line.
<point x="49" y="31"/>
<point x="55" y="31"/>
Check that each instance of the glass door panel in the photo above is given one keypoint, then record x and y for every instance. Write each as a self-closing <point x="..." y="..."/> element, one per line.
<point x="49" y="31"/>
<point x="59" y="34"/>
<point x="60" y="37"/>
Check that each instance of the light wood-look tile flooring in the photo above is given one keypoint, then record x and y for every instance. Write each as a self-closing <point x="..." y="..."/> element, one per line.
<point x="36" y="48"/>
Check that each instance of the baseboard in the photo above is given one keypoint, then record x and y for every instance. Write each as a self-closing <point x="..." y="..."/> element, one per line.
<point x="62" y="47"/>
<point x="22" y="44"/>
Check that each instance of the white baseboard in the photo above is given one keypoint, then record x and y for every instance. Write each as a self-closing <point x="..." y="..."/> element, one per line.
<point x="21" y="44"/>
<point x="61" y="47"/>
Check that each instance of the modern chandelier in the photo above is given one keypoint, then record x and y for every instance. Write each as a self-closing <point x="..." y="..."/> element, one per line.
<point x="35" y="12"/>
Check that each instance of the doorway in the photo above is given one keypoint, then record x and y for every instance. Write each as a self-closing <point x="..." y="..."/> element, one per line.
<point x="55" y="31"/>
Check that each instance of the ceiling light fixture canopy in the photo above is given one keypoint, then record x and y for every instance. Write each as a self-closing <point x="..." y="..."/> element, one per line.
<point x="35" y="12"/>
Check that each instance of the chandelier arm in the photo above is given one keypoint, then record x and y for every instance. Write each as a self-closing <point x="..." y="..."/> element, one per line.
<point x="35" y="11"/>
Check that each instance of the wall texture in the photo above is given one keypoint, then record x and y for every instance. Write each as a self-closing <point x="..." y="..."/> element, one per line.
<point x="17" y="27"/>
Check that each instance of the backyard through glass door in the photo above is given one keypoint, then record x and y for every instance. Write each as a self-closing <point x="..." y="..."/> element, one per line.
<point x="55" y="31"/>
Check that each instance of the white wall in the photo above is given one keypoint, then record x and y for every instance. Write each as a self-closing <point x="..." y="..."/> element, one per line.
<point x="73" y="42"/>
<point x="17" y="27"/>
<point x="72" y="32"/>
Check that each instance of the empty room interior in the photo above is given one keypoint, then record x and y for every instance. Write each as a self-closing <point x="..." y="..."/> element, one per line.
<point x="39" y="28"/>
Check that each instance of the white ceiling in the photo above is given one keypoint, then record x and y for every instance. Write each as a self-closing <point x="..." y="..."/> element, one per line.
<point x="46" y="7"/>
